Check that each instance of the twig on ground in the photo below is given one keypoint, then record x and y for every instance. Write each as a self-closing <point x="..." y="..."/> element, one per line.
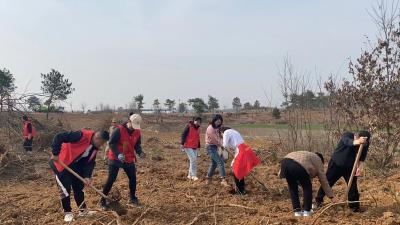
<point x="111" y="222"/>
<point x="234" y="205"/>
<point x="141" y="215"/>
<point x="117" y="218"/>
<point x="215" y="216"/>
<point x="197" y="218"/>
<point x="190" y="197"/>
<point x="372" y="196"/>
<point x="331" y="205"/>
<point x="79" y="208"/>
<point x="98" y="219"/>
<point x="262" y="220"/>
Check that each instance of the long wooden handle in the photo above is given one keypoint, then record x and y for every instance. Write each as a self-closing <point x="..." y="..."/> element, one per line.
<point x="353" y="172"/>
<point x="81" y="178"/>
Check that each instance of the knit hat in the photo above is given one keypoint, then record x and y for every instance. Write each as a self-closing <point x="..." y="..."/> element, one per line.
<point x="135" y="119"/>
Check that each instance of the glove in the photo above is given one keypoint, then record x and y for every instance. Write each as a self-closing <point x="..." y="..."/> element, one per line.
<point x="142" y="155"/>
<point x="121" y="157"/>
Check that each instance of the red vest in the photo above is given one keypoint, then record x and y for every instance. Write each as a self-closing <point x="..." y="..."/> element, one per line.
<point x="126" y="144"/>
<point x="193" y="138"/>
<point x="26" y="132"/>
<point x="71" y="151"/>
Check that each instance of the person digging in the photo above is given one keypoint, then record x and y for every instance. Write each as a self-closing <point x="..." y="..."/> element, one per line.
<point x="77" y="150"/>
<point x="125" y="141"/>
<point x="299" y="168"/>
<point x="341" y="165"/>
<point x="244" y="157"/>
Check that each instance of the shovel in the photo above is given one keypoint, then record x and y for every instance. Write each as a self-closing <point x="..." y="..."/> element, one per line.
<point x="353" y="172"/>
<point x="81" y="179"/>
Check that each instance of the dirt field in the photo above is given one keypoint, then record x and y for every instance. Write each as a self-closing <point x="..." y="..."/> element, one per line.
<point x="28" y="192"/>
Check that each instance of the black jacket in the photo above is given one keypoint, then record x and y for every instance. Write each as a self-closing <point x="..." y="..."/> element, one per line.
<point x="345" y="152"/>
<point x="81" y="163"/>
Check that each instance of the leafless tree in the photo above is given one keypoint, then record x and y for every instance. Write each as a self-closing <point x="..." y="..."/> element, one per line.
<point x="371" y="98"/>
<point x="83" y="106"/>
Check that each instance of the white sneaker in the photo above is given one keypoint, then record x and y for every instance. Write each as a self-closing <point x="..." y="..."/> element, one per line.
<point x="195" y="178"/>
<point x="298" y="214"/>
<point x="316" y="206"/>
<point x="307" y="213"/>
<point x="86" y="213"/>
<point x="69" y="217"/>
<point x="224" y="183"/>
<point x="189" y="177"/>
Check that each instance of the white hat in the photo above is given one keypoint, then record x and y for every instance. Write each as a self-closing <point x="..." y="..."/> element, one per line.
<point x="135" y="119"/>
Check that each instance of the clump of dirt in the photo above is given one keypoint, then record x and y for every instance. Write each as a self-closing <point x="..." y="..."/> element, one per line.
<point x="389" y="218"/>
<point x="154" y="141"/>
<point x="115" y="194"/>
<point x="2" y="149"/>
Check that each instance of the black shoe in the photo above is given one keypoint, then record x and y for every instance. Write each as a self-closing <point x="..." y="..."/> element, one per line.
<point x="104" y="205"/>
<point x="232" y="192"/>
<point x="237" y="192"/>
<point x="244" y="192"/>
<point x="136" y="203"/>
<point x="356" y="209"/>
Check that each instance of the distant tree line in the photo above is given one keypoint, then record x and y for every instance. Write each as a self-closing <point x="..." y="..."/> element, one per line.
<point x="307" y="99"/>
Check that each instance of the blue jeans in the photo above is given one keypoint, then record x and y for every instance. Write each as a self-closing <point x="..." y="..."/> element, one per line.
<point x="216" y="161"/>
<point x="192" y="155"/>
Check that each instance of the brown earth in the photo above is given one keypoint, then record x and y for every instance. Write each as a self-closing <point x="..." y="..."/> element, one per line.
<point x="28" y="192"/>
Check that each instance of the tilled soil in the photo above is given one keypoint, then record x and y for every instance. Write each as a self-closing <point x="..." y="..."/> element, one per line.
<point x="29" y="195"/>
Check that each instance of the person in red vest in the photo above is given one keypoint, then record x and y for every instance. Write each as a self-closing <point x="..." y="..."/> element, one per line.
<point x="125" y="141"/>
<point x="190" y="142"/>
<point x="77" y="150"/>
<point x="245" y="159"/>
<point x="29" y="134"/>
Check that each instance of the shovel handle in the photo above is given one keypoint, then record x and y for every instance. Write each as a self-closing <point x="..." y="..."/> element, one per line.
<point x="81" y="178"/>
<point x="353" y="172"/>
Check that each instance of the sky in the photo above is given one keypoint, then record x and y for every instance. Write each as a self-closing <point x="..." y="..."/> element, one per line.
<point x="114" y="50"/>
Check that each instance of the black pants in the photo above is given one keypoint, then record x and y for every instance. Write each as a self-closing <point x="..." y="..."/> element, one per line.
<point x="333" y="174"/>
<point x="240" y="185"/>
<point x="66" y="181"/>
<point x="28" y="144"/>
<point x="295" y="174"/>
<point x="113" y="170"/>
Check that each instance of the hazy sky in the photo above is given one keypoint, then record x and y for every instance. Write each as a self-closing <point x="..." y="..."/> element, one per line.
<point x="179" y="49"/>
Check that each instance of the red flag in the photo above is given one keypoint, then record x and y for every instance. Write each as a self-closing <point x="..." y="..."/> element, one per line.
<point x="244" y="162"/>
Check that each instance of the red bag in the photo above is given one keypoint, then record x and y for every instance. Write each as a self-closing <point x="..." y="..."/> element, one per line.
<point x="244" y="162"/>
